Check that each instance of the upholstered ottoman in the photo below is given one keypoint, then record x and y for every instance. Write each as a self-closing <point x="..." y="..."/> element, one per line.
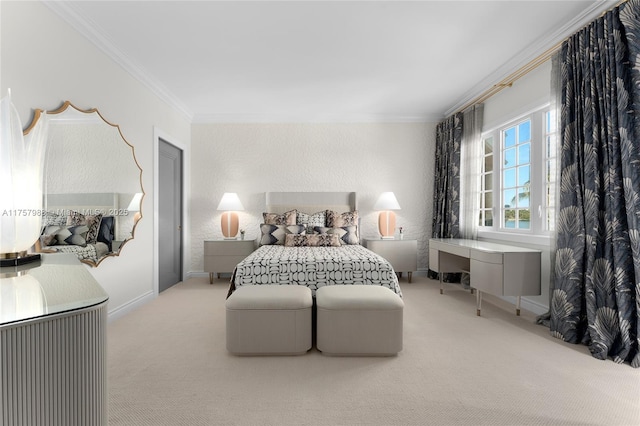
<point x="269" y="320"/>
<point x="359" y="320"/>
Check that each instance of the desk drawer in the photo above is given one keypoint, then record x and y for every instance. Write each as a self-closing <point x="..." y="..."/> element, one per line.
<point x="458" y="250"/>
<point x="487" y="277"/>
<point x="486" y="257"/>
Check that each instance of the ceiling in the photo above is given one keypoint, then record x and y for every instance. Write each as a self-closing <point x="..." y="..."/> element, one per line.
<point x="267" y="61"/>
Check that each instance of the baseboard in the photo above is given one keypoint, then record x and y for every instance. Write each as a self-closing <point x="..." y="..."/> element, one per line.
<point x="130" y="306"/>
<point x="198" y="274"/>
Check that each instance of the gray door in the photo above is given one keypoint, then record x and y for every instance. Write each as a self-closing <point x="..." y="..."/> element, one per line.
<point x="169" y="215"/>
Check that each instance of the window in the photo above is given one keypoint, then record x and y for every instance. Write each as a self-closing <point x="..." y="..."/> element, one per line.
<point x="486" y="184"/>
<point x="517" y="177"/>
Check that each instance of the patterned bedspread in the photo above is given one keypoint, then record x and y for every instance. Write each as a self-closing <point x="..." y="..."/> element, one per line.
<point x="315" y="267"/>
<point x="91" y="252"/>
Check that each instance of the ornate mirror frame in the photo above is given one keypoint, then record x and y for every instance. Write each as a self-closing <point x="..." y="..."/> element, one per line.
<point x="88" y="202"/>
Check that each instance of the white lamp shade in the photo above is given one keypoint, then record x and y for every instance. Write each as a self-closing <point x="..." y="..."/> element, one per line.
<point x="386" y="201"/>
<point x="134" y="205"/>
<point x="230" y="202"/>
<point x="21" y="180"/>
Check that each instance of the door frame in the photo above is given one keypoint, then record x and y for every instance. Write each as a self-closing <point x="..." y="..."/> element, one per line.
<point x="158" y="135"/>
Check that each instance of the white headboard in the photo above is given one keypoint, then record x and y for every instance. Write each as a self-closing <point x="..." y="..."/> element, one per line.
<point x="90" y="202"/>
<point x="310" y="202"/>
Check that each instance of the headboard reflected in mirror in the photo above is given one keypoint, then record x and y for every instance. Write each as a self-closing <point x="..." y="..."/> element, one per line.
<point x="91" y="175"/>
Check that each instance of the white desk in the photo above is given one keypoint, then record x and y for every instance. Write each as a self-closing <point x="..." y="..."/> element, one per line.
<point x="497" y="269"/>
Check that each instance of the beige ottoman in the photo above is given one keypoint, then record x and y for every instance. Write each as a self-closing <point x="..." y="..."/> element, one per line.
<point x="269" y="320"/>
<point x="357" y="320"/>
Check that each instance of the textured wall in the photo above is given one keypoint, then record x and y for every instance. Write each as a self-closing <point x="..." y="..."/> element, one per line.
<point x="85" y="157"/>
<point x="368" y="158"/>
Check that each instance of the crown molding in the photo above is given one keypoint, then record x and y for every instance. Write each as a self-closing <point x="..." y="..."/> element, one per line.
<point x="533" y="51"/>
<point x="324" y="118"/>
<point x="86" y="27"/>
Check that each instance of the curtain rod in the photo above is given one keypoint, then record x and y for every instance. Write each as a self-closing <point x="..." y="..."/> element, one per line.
<point x="524" y="70"/>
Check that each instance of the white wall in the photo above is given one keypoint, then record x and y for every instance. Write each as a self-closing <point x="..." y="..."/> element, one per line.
<point x="527" y="93"/>
<point x="45" y="62"/>
<point x="368" y="158"/>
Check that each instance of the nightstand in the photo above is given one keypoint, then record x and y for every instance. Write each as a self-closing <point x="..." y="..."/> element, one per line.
<point x="224" y="255"/>
<point x="402" y="254"/>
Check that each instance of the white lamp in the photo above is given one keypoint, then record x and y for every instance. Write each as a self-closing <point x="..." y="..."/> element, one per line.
<point x="386" y="219"/>
<point x="135" y="206"/>
<point x="21" y="184"/>
<point x="230" y="203"/>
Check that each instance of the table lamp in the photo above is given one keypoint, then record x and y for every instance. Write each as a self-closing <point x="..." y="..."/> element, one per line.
<point x="135" y="206"/>
<point x="21" y="186"/>
<point x="230" y="204"/>
<point x="386" y="219"/>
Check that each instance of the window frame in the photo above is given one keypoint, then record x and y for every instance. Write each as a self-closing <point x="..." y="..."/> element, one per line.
<point x="538" y="231"/>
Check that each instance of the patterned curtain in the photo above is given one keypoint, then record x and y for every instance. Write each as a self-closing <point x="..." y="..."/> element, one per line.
<point x="596" y="294"/>
<point x="446" y="189"/>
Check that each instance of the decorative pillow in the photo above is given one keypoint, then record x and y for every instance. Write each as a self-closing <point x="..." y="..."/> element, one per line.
<point x="313" y="240"/>
<point x="286" y="218"/>
<point x="72" y="235"/>
<point x="48" y="239"/>
<point x="275" y="234"/>
<point x="335" y="220"/>
<point x="338" y="220"/>
<point x="106" y="232"/>
<point x="347" y="234"/>
<point x="54" y="218"/>
<point x="48" y="234"/>
<point x="311" y="220"/>
<point x="92" y="222"/>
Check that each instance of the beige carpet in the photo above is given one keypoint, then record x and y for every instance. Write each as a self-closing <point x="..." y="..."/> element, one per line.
<point x="168" y="366"/>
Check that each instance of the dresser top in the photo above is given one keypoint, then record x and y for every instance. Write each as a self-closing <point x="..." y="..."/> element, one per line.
<point x="58" y="283"/>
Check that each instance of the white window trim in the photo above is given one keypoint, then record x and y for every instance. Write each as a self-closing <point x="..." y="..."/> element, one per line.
<point x="538" y="233"/>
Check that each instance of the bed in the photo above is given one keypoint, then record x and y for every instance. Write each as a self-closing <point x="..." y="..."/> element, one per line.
<point x="81" y="224"/>
<point x="312" y="239"/>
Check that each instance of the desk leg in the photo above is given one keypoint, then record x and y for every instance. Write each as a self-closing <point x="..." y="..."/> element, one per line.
<point x="518" y="305"/>
<point x="478" y="302"/>
<point x="441" y="288"/>
<point x="409" y="276"/>
<point x="210" y="277"/>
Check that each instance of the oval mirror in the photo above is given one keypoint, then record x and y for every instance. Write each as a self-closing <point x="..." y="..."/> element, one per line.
<point x="92" y="185"/>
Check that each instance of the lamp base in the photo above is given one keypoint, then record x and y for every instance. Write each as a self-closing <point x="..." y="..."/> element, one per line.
<point x="387" y="238"/>
<point x="387" y="224"/>
<point x="17" y="259"/>
<point x="230" y="225"/>
<point x="230" y="238"/>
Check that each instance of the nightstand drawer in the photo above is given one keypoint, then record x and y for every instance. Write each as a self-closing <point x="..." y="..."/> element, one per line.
<point x="402" y="254"/>
<point x="222" y="256"/>
<point x="228" y="247"/>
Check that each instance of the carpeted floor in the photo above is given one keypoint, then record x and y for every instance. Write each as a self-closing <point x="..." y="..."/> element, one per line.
<point x="168" y="365"/>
